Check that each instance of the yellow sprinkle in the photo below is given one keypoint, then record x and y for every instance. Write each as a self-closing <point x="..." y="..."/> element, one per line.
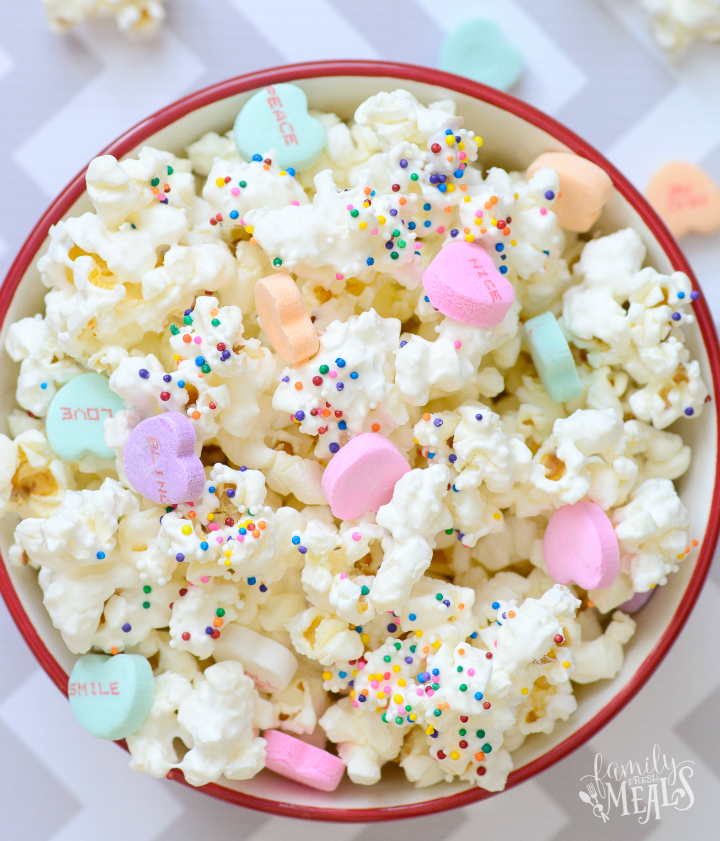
<point x="513" y="242"/>
<point x="469" y="238"/>
<point x="327" y="675"/>
<point x="524" y="690"/>
<point x="497" y="515"/>
<point x="454" y="754"/>
<point x="461" y="145"/>
<point x="220" y="182"/>
<point x="653" y="586"/>
<point x="430" y="730"/>
<point x="398" y="699"/>
<point x="450" y="139"/>
<point x="381" y="695"/>
<point x="186" y="529"/>
<point x="478" y="220"/>
<point x="365" y="639"/>
<point x="418" y="633"/>
<point x="566" y="664"/>
<point x="680" y="557"/>
<point x="412" y="716"/>
<point x="355" y="671"/>
<point x="381" y="220"/>
<point x="436" y="644"/>
<point x="282" y="172"/>
<point x="493" y="222"/>
<point x="249" y="229"/>
<point x="478" y="140"/>
<point x="467" y="198"/>
<point x="352" y="693"/>
<point x="401" y="682"/>
<point x="362" y="226"/>
<point x="228" y="553"/>
<point x="177" y="358"/>
<point x="396" y="668"/>
<point x="450" y="188"/>
<point x="228" y="563"/>
<point x="211" y="516"/>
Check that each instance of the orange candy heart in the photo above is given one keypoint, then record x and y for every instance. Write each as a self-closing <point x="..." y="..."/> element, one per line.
<point x="686" y="199"/>
<point x="284" y="319"/>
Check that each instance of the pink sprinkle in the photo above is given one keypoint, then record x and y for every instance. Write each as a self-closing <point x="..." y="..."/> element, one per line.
<point x="191" y="584"/>
<point x="430" y="693"/>
<point x="343" y="576"/>
<point x="356" y="536"/>
<point x="478" y="213"/>
<point x="240" y="538"/>
<point x="457" y="344"/>
<point x="495" y="643"/>
<point x="213" y="527"/>
<point x="190" y="504"/>
<point x="219" y="539"/>
<point x="332" y="375"/>
<point x="387" y="689"/>
<point x="462" y="156"/>
<point x="441" y="229"/>
<point x="235" y="191"/>
<point x="349" y="207"/>
<point x="197" y="340"/>
<point x="295" y="203"/>
<point x="205" y="579"/>
<point x="361" y="664"/>
<point x="418" y="691"/>
<point x="418" y="244"/>
<point x="242" y="221"/>
<point x="471" y="672"/>
<point x="355" y="703"/>
<point x="339" y="276"/>
<point x="374" y="684"/>
<point x="543" y="211"/>
<point x="374" y="232"/>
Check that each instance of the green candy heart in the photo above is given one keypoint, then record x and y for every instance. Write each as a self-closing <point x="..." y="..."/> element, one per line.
<point x="478" y="49"/>
<point x="111" y="696"/>
<point x="76" y="416"/>
<point x="277" y="118"/>
<point x="553" y="358"/>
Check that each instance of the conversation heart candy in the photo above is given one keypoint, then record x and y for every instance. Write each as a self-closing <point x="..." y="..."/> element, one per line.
<point x="304" y="763"/>
<point x="269" y="663"/>
<point x="585" y="188"/>
<point x="111" y="696"/>
<point x="478" y="49"/>
<point x="686" y="199"/>
<point x="638" y="601"/>
<point x="277" y="118"/>
<point x="362" y="475"/>
<point x="463" y="283"/>
<point x="160" y="459"/>
<point x="553" y="358"/>
<point x="76" y="417"/>
<point x="580" y="546"/>
<point x="283" y="317"/>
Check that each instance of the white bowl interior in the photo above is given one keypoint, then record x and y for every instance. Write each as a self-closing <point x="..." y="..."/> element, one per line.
<point x="512" y="143"/>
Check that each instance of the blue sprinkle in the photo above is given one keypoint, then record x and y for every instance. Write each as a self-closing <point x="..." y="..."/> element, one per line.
<point x="342" y="425"/>
<point x="455" y="489"/>
<point x="234" y="214"/>
<point x="252" y="580"/>
<point x="503" y="269"/>
<point x="204" y="545"/>
<point x="495" y="605"/>
<point x="43" y="385"/>
<point x="478" y="696"/>
<point x="342" y="674"/>
<point x="179" y="557"/>
<point x="427" y="300"/>
<point x="300" y="415"/>
<point x="681" y="295"/>
<point x="458" y="173"/>
<point x="359" y="629"/>
<point x="427" y="205"/>
<point x="436" y="672"/>
<point x="199" y="361"/>
<point x="257" y="157"/>
<point x="100" y="555"/>
<point x="442" y="187"/>
<point x="302" y="550"/>
<point x="334" y="447"/>
<point x="454" y="232"/>
<point x="290" y="170"/>
<point x="448" y="131"/>
<point x="412" y="617"/>
<point x="452" y="459"/>
<point x="392" y="627"/>
<point x="354" y="375"/>
<point x="474" y="635"/>
<point x="340" y="362"/>
<point x="127" y="627"/>
<point x="499" y="247"/>
<point x="411" y="226"/>
<point x="370" y="261"/>
<point x="427" y="223"/>
<point x="242" y="530"/>
<point x="181" y="383"/>
<point x="212" y="489"/>
<point x="295" y="540"/>
<point x="340" y="386"/>
<point x="144" y="373"/>
<point x="431" y="455"/>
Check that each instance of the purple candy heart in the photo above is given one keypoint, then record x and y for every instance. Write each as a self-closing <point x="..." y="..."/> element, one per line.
<point x="160" y="459"/>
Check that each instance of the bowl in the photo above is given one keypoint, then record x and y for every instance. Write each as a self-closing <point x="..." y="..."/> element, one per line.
<point x="515" y="133"/>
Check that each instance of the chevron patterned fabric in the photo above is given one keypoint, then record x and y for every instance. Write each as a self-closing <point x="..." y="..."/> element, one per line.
<point x="592" y="65"/>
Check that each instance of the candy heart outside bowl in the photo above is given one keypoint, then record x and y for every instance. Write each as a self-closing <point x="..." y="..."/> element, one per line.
<point x="515" y="134"/>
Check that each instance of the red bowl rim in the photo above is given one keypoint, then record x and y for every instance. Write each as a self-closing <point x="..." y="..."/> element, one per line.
<point x="240" y="84"/>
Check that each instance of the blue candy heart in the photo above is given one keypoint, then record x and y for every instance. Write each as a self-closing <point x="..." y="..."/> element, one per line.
<point x="478" y="49"/>
<point x="553" y="358"/>
<point x="76" y="416"/>
<point x="277" y="118"/>
<point x="111" y="696"/>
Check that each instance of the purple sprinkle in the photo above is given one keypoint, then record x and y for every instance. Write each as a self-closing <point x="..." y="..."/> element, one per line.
<point x="167" y="378"/>
<point x="434" y="734"/>
<point x="446" y="602"/>
<point x="362" y="698"/>
<point x="434" y="179"/>
<point x="393" y="212"/>
<point x="144" y="373"/>
<point x="478" y="417"/>
<point x="694" y="295"/>
<point x="458" y="139"/>
<point x="225" y="355"/>
<point x="676" y="316"/>
<point x="438" y="422"/>
<point x="403" y="163"/>
<point x="127" y="627"/>
<point x="263" y="588"/>
<point x="454" y="232"/>
<point x="403" y="343"/>
<point x="187" y="312"/>
<point x="389" y="244"/>
<point x="351" y="683"/>
<point x="300" y="415"/>
<point x="549" y="195"/>
<point x="408" y="660"/>
<point x="392" y="627"/>
<point x="334" y="447"/>
<point x="243" y="469"/>
<point x="460" y="535"/>
<point x="179" y="557"/>
<point x="286" y="379"/>
<point x="302" y="550"/>
<point x="340" y="386"/>
<point x="689" y="411"/>
<point x="442" y="178"/>
<point x="230" y="492"/>
<point x="452" y="459"/>
<point x="504" y="615"/>
<point x="208" y="631"/>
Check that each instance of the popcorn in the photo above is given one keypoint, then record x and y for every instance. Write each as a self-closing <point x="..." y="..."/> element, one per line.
<point x="602" y="658"/>
<point x="677" y="23"/>
<point x="298" y="708"/>
<point x="322" y="637"/>
<point x="199" y="613"/>
<point x="135" y="18"/>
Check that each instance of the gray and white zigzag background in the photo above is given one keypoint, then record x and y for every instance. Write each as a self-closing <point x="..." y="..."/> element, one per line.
<point x="592" y="65"/>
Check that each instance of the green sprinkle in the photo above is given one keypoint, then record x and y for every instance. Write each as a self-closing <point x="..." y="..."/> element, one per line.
<point x="460" y="668"/>
<point x="435" y="687"/>
<point x="167" y="511"/>
<point x="215" y="322"/>
<point x="387" y="658"/>
<point x="354" y="212"/>
<point x="414" y="176"/>
<point x="187" y="319"/>
<point x="277" y="262"/>
<point x="324" y="369"/>
<point x="170" y="170"/>
<point x="462" y="732"/>
<point x="242" y="183"/>
<point x="463" y="687"/>
<point x="146" y="605"/>
<point x="438" y="596"/>
<point x="412" y="648"/>
<point x="401" y="243"/>
<point x="384" y="718"/>
<point x="396" y="233"/>
<point x="174" y="330"/>
<point x="480" y="734"/>
<point x="487" y="747"/>
<point x="394" y="255"/>
<point x="437" y="712"/>
<point x="448" y="531"/>
<point x="364" y="590"/>
<point x="220" y="611"/>
<point x="399" y="720"/>
<point x="205" y="368"/>
<point x="398" y="646"/>
<point x="408" y="708"/>
<point x="154" y="182"/>
<point x="147" y="589"/>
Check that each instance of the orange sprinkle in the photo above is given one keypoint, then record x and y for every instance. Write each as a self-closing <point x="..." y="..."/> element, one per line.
<point x="479" y="756"/>
<point x="426" y="417"/>
<point x="376" y="427"/>
<point x="256" y="534"/>
<point x="483" y="230"/>
<point x="511" y="613"/>
<point x="262" y="525"/>
<point x="466" y="230"/>
<point x="266" y="166"/>
<point x="114" y="650"/>
<point x="591" y="603"/>
<point x="694" y="543"/>
<point x="448" y="209"/>
<point x="461" y="650"/>
<point x="213" y="312"/>
<point x="463" y="186"/>
<point x="217" y="622"/>
<point x="367" y="191"/>
<point x="155" y="190"/>
<point x="403" y="200"/>
<point x="196" y="415"/>
<point x="192" y="514"/>
<point x="488" y="205"/>
<point x="426" y="649"/>
<point x="253" y="240"/>
<point x="506" y="232"/>
<point x="461" y="606"/>
<point x="326" y="413"/>
<point x="298" y="386"/>
<point x="494" y="199"/>
<point x="365" y="692"/>
<point x="687" y="549"/>
<point x="201" y="375"/>
<point x="187" y="338"/>
<point x="450" y="157"/>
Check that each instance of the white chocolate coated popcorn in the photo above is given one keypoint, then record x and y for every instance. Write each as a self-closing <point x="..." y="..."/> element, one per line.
<point x="135" y="18"/>
<point x="677" y="23"/>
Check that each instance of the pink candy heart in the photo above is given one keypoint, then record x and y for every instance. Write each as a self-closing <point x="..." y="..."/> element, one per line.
<point x="463" y="283"/>
<point x="160" y="459"/>
<point x="580" y="547"/>
<point x="304" y="763"/>
<point x="362" y="475"/>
